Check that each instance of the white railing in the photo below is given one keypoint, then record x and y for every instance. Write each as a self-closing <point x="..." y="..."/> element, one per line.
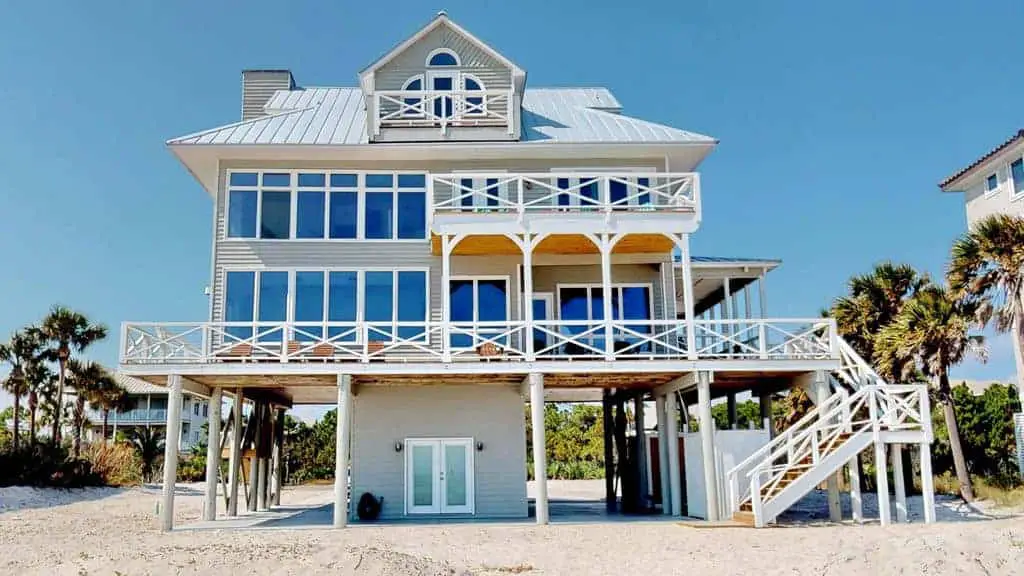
<point x="207" y="342"/>
<point x="599" y="192"/>
<point x="443" y="108"/>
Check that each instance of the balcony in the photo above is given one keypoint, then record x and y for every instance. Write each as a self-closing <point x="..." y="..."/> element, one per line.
<point x="564" y="202"/>
<point x="135" y="416"/>
<point x="453" y="342"/>
<point x="444" y="109"/>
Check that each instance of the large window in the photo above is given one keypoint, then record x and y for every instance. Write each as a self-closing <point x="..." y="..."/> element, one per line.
<point x="1017" y="175"/>
<point x="327" y="205"/>
<point x="331" y="302"/>
<point x="586" y="303"/>
<point x="478" y="306"/>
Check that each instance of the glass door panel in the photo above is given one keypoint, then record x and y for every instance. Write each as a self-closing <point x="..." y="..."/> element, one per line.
<point x="456" y="477"/>
<point x="423" y="477"/>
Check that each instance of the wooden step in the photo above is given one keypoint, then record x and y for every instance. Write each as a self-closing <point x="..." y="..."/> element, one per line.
<point x="745" y="518"/>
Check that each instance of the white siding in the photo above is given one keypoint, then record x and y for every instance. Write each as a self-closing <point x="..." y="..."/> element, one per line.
<point x="472" y="59"/>
<point x="384" y="415"/>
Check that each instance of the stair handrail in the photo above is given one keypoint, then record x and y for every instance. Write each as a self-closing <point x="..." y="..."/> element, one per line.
<point x="853" y="369"/>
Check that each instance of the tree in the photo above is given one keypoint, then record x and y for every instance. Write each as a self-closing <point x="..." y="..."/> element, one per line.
<point x="987" y="265"/>
<point x="94" y="384"/>
<point x="23" y="354"/>
<point x="41" y="382"/>
<point x="935" y="329"/>
<point x="67" y="331"/>
<point x="149" y="444"/>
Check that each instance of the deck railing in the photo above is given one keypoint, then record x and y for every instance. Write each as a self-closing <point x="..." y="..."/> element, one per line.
<point x="129" y="416"/>
<point x="586" y="192"/>
<point x="442" y="108"/>
<point x="541" y="340"/>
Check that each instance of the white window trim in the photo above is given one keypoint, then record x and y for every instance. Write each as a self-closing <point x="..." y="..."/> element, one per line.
<point x="360" y="294"/>
<point x="405" y="88"/>
<point x="483" y="98"/>
<point x="476" y="309"/>
<point x="1014" y="194"/>
<point x="360" y="190"/>
<point x="994" y="191"/>
<point x="436" y="51"/>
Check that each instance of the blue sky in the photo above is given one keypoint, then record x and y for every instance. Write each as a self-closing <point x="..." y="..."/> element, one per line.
<point x="836" y="121"/>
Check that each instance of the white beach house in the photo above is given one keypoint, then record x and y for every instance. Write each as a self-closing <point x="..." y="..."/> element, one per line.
<point x="440" y="244"/>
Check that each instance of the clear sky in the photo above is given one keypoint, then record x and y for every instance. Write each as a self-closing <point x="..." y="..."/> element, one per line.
<point x="836" y="121"/>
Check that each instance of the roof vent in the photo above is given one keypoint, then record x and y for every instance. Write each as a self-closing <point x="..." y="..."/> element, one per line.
<point x="257" y="88"/>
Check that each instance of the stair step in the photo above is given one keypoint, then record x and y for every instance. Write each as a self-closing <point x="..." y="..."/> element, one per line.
<point x="743" y="517"/>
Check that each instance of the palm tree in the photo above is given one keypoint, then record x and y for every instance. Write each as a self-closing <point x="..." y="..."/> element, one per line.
<point x="988" y="265"/>
<point x="23" y="354"/>
<point x="41" y="382"/>
<point x="91" y="383"/>
<point x="935" y="329"/>
<point x="149" y="444"/>
<point x="67" y="330"/>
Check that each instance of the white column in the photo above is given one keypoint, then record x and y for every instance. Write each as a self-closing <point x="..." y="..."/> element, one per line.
<point x="540" y="464"/>
<point x="762" y="299"/>
<point x="707" y="443"/>
<point x="663" y="467"/>
<point x="446" y="312"/>
<point x="897" y="478"/>
<point x="688" y="314"/>
<point x="606" y="291"/>
<point x="727" y="313"/>
<point x="641" y="438"/>
<point x="746" y="302"/>
<point x="171" y="450"/>
<point x="342" y="441"/>
<point x="927" y="483"/>
<point x="212" y="456"/>
<point x="882" y="481"/>
<point x="527" y="247"/>
<point x="236" y="453"/>
<point x="856" y="502"/>
<point x="674" y="480"/>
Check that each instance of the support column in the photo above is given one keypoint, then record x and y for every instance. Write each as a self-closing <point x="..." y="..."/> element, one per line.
<point x="898" y="481"/>
<point x="527" y="248"/>
<point x="446" y="311"/>
<point x="540" y="465"/>
<point x="688" y="313"/>
<point x="766" y="413"/>
<point x="663" y="466"/>
<point x="236" y="453"/>
<point x="727" y="315"/>
<point x="262" y="451"/>
<point x="927" y="483"/>
<point x="609" y="452"/>
<point x="341" y="446"/>
<point x="707" y="444"/>
<point x="279" y="458"/>
<point x="731" y="410"/>
<point x="820" y="394"/>
<point x="254" y="460"/>
<point x="213" y="456"/>
<point x="171" y="450"/>
<point x="882" y="481"/>
<point x="642" y="457"/>
<point x="674" y="480"/>
<point x="856" y="501"/>
<point x="762" y="302"/>
<point x="606" y="292"/>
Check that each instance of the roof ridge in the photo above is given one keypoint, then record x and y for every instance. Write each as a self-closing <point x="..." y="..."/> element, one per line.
<point x="984" y="158"/>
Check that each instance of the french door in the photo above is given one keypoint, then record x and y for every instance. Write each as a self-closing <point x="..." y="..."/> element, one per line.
<point x="439" y="476"/>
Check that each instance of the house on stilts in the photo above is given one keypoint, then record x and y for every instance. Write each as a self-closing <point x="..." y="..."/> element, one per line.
<point x="440" y="244"/>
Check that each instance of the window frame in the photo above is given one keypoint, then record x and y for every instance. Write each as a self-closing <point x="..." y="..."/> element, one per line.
<point x="360" y="191"/>
<point x="1014" y="193"/>
<point x="290" y="296"/>
<point x="475" y="279"/>
<point x="615" y="286"/>
<point x="482" y="112"/>
<point x="989" y="192"/>
<point x="436" y="51"/>
<point x="405" y="88"/>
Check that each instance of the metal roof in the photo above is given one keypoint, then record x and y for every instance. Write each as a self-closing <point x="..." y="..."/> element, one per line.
<point x="133" y="385"/>
<point x="336" y="116"/>
<point x="727" y="260"/>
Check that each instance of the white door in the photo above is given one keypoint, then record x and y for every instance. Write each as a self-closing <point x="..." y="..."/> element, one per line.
<point x="439" y="476"/>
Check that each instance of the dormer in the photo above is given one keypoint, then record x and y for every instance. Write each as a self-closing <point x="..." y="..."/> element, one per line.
<point x="443" y="85"/>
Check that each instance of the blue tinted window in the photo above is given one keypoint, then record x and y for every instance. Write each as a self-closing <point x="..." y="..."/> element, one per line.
<point x="645" y="198"/>
<point x="239" y="300"/>
<point x="991" y="183"/>
<point x="563" y="198"/>
<point x="474" y="104"/>
<point x="443" y="59"/>
<point x="412" y="215"/>
<point x="1017" y="172"/>
<point x="491" y="300"/>
<point x="243" y="179"/>
<point x="462" y="303"/>
<point x="412" y="302"/>
<point x="380" y="180"/>
<point x="344" y="214"/>
<point x="597" y="304"/>
<point x="588" y="189"/>
<point x="465" y="192"/>
<point x="242" y="214"/>
<point x="378" y="215"/>
<point x="341" y="304"/>
<point x="309" y="217"/>
<point x="412" y="181"/>
<point x="273" y="179"/>
<point x="309" y="304"/>
<point x="312" y="180"/>
<point x="378" y="298"/>
<point x="344" y="180"/>
<point x="273" y="305"/>
<point x="275" y="219"/>
<point x="540" y="312"/>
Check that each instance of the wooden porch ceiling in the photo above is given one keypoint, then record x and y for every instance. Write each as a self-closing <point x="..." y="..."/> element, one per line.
<point x="490" y="244"/>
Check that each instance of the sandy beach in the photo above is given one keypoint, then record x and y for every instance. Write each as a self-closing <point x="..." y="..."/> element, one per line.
<point x="113" y="532"/>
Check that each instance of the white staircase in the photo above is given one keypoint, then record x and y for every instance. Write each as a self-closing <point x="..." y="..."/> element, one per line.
<point x="862" y="411"/>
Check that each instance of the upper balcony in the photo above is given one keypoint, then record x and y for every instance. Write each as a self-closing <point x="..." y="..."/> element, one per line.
<point x="564" y="202"/>
<point x="443" y="110"/>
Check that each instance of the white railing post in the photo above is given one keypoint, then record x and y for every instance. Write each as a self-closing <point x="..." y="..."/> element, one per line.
<point x="431" y="207"/>
<point x="873" y="411"/>
<point x="123" y="348"/>
<point x="204" y="352"/>
<point x="755" y="499"/>
<point x="606" y="291"/>
<point x="509" y="110"/>
<point x="833" y="339"/>
<point x="375" y="117"/>
<point x="762" y="339"/>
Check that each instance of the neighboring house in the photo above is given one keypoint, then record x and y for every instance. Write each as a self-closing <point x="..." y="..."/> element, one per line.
<point x="147" y="408"/>
<point x="433" y="247"/>
<point x="994" y="183"/>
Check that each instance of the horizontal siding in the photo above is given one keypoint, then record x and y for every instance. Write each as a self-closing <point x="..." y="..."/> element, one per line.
<point x="257" y="89"/>
<point x="473" y="60"/>
<point x="384" y="415"/>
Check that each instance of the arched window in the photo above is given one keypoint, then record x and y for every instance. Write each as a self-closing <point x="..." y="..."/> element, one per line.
<point x="475" y="105"/>
<point x="413" y="106"/>
<point x="442" y="57"/>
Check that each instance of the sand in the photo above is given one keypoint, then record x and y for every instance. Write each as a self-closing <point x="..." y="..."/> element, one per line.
<point x="113" y="532"/>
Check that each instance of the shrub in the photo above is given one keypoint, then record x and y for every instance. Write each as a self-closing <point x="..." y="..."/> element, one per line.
<point x="46" y="466"/>
<point x="117" y="464"/>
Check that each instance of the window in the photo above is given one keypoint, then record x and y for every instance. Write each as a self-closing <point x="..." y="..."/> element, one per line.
<point x="586" y="302"/>
<point x="195" y="408"/>
<point x="478" y="305"/>
<point x="310" y="206"/>
<point x="344" y="221"/>
<point x="412" y="106"/>
<point x="239" y="302"/>
<point x="206" y="410"/>
<point x="259" y="197"/>
<point x="250" y="300"/>
<point x="379" y="205"/>
<point x="991" y="183"/>
<point x="343" y="304"/>
<point x="1017" y="174"/>
<point x="474" y="104"/>
<point x="442" y="57"/>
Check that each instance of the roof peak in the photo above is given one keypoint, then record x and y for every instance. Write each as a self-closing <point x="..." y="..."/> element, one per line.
<point x="984" y="158"/>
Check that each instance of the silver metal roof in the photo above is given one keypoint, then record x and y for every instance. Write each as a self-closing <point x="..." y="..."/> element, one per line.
<point x="336" y="116"/>
<point x="133" y="385"/>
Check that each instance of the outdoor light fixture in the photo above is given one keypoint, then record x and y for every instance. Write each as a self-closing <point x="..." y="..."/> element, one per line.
<point x="479" y="446"/>
<point x="398" y="446"/>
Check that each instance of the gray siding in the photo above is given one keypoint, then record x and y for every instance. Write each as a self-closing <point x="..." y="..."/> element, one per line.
<point x="384" y="415"/>
<point x="473" y="60"/>
<point x="257" y="88"/>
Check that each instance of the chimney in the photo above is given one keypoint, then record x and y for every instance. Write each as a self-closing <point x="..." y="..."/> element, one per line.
<point x="257" y="88"/>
